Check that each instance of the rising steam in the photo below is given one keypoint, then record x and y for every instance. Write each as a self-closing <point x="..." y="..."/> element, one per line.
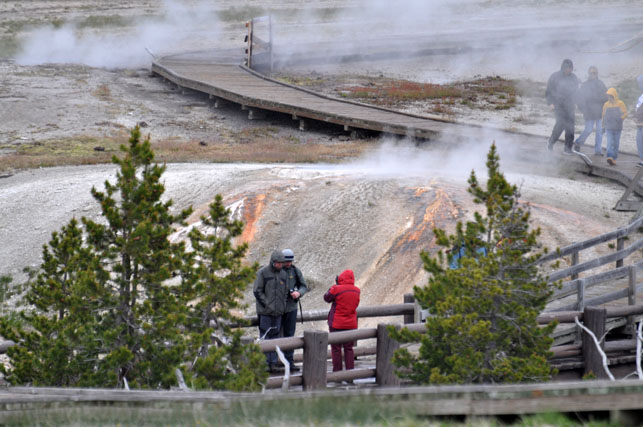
<point x="124" y="47"/>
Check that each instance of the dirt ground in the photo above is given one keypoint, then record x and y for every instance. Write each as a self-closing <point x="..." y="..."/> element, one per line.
<point x="372" y="214"/>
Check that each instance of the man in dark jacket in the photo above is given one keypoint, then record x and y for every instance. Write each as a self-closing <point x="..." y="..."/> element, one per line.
<point x="271" y="292"/>
<point x="343" y="316"/>
<point x="296" y="289"/>
<point x="561" y="93"/>
<point x="591" y="97"/>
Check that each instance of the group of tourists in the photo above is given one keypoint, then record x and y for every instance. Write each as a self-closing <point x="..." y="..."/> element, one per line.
<point x="278" y="289"/>
<point x="602" y="110"/>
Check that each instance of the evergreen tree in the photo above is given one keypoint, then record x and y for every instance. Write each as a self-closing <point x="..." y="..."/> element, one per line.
<point x="482" y="326"/>
<point x="216" y="280"/>
<point x="115" y="300"/>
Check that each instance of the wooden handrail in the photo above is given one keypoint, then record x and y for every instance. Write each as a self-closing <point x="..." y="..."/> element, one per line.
<point x="570" y="287"/>
<point x="362" y="312"/>
<point x="596" y="262"/>
<point x="575" y="247"/>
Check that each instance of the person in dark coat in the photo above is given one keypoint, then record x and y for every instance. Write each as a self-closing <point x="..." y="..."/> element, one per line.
<point x="296" y="289"/>
<point x="591" y="97"/>
<point x="344" y="296"/>
<point x="271" y="293"/>
<point x="561" y="94"/>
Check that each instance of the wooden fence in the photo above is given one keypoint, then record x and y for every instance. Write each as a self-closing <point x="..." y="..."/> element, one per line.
<point x="584" y="354"/>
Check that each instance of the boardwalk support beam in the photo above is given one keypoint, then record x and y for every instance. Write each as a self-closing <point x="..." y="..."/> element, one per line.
<point x="254" y="114"/>
<point x="594" y="320"/>
<point x="384" y="369"/>
<point x="315" y="350"/>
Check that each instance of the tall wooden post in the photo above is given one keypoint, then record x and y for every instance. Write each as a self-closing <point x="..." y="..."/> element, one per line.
<point x="384" y="370"/>
<point x="575" y="262"/>
<point x="620" y="244"/>
<point x="594" y="319"/>
<point x="315" y="351"/>
<point x="409" y="318"/>
<point x="631" y="297"/>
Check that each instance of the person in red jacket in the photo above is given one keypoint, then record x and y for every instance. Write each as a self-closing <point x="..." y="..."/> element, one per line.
<point x="343" y="316"/>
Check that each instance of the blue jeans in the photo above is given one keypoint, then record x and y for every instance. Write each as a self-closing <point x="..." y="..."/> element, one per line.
<point x="639" y="141"/>
<point x="589" y="126"/>
<point x="613" y="141"/>
<point x="269" y="328"/>
<point x="288" y="327"/>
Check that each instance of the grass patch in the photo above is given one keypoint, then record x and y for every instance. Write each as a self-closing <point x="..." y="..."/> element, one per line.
<point x="60" y="152"/>
<point x="105" y="21"/>
<point x="395" y="91"/>
<point x="262" y="150"/>
<point x="241" y="14"/>
<point x="324" y="14"/>
<point x="102" y="92"/>
<point x="322" y="411"/>
<point x="258" y="146"/>
<point x="9" y="46"/>
<point x="483" y="93"/>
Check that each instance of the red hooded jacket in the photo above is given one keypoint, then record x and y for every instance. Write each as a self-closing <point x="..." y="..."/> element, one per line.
<point x="345" y="298"/>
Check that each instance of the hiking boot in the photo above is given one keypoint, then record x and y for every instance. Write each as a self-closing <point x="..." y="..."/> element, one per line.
<point x="611" y="161"/>
<point x="567" y="152"/>
<point x="576" y="147"/>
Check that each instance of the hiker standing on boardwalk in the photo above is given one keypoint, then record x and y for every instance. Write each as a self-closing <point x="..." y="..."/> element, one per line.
<point x="614" y="112"/>
<point x="590" y="100"/>
<point x="560" y="94"/>
<point x="271" y="293"/>
<point x="344" y="296"/>
<point x="296" y="289"/>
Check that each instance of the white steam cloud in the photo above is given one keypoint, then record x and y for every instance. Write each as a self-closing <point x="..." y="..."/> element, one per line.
<point x="463" y="38"/>
<point x="127" y="48"/>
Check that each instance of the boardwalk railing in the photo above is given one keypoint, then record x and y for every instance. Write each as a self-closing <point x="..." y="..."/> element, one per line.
<point x="315" y="375"/>
<point x="619" y="235"/>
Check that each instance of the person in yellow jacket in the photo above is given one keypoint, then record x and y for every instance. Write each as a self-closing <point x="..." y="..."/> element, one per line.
<point x="614" y="112"/>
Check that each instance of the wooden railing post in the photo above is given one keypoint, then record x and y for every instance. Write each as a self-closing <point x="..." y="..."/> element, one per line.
<point x="315" y="351"/>
<point x="575" y="257"/>
<point x="620" y="244"/>
<point x="631" y="296"/>
<point x="580" y="295"/>
<point x="409" y="318"/>
<point x="594" y="320"/>
<point x="580" y="305"/>
<point x="386" y="346"/>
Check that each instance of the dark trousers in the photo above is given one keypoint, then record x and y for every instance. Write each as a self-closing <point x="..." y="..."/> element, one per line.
<point x="269" y="328"/>
<point x="336" y="353"/>
<point x="288" y="327"/>
<point x="564" y="123"/>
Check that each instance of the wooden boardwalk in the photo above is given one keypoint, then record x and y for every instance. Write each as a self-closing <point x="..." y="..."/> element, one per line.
<point x="219" y="75"/>
<point x="16" y="403"/>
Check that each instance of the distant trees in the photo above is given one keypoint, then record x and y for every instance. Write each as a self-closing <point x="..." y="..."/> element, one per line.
<point x="482" y="326"/>
<point x="115" y="302"/>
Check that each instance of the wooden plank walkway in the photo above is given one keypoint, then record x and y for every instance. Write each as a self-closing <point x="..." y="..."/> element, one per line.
<point x="219" y="75"/>
<point x="466" y="400"/>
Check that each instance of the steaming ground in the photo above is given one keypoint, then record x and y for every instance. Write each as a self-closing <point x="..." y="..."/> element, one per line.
<point x="374" y="215"/>
<point x="78" y="76"/>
